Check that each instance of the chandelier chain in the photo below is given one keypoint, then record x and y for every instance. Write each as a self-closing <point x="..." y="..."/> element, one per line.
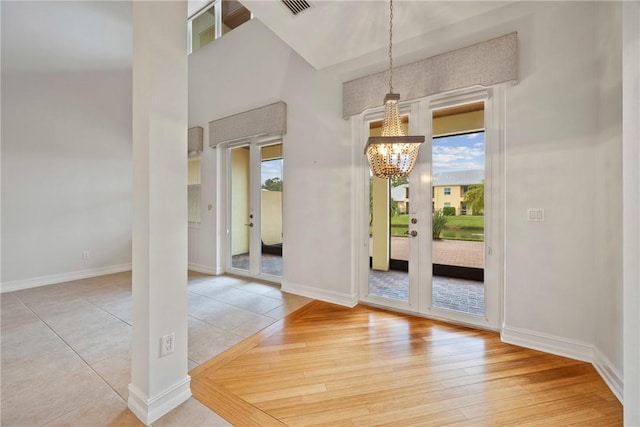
<point x="390" y="46"/>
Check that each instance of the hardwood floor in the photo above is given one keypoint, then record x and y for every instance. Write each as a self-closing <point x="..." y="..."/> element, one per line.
<point x="326" y="365"/>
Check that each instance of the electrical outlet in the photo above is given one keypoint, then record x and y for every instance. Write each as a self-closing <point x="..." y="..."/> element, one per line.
<point x="85" y="255"/>
<point x="167" y="345"/>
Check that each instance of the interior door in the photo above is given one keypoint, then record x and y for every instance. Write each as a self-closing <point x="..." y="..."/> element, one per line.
<point x="255" y="184"/>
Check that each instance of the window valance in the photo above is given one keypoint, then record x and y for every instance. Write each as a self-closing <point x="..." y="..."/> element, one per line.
<point x="194" y="138"/>
<point x="268" y="120"/>
<point x="487" y="63"/>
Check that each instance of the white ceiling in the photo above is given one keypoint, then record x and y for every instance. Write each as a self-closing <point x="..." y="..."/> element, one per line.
<point x="66" y="35"/>
<point x="333" y="31"/>
<point x="74" y="35"/>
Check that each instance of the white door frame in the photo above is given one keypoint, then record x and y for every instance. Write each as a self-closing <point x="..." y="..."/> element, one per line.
<point x="420" y="183"/>
<point x="255" y="244"/>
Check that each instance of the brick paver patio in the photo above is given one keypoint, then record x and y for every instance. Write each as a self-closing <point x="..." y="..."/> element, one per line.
<point x="449" y="293"/>
<point x="448" y="252"/>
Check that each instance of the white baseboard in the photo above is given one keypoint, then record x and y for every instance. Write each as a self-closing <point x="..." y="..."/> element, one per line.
<point x="149" y="410"/>
<point x="320" y="294"/>
<point x="34" y="282"/>
<point x="609" y="374"/>
<point x="205" y="269"/>
<point x="567" y="348"/>
<point x="547" y="343"/>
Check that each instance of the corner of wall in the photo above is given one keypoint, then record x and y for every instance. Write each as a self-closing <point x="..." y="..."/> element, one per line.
<point x="567" y="348"/>
<point x="34" y="282"/>
<point x="321" y="294"/>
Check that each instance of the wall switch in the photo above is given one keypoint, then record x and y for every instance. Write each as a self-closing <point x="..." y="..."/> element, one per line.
<point x="85" y="255"/>
<point x="167" y="345"/>
<point x="535" y="214"/>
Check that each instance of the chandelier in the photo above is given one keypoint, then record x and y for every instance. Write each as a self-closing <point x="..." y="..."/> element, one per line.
<point x="393" y="154"/>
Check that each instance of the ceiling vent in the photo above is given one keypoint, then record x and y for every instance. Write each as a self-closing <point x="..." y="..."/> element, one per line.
<point x="296" y="6"/>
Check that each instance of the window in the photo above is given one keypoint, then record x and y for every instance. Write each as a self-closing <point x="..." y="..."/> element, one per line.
<point x="447" y="191"/>
<point x="215" y="20"/>
<point x="193" y="190"/>
<point x="447" y="204"/>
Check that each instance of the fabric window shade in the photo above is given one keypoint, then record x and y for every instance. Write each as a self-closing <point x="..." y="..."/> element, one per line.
<point x="264" y="121"/>
<point x="487" y="63"/>
<point x="194" y="189"/>
<point x="195" y="139"/>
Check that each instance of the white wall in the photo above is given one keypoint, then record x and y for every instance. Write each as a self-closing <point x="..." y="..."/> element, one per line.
<point x="560" y="118"/>
<point x="66" y="175"/>
<point x="609" y="195"/>
<point x="259" y="69"/>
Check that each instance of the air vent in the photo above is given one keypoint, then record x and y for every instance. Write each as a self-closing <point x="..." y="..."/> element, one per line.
<point x="296" y="6"/>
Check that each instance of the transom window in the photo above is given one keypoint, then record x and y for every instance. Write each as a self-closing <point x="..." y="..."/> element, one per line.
<point x="215" y="20"/>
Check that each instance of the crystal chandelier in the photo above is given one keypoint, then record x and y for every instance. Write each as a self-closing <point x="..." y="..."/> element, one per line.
<point x="393" y="154"/>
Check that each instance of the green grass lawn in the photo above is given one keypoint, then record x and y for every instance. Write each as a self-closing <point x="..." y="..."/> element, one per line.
<point x="462" y="221"/>
<point x="465" y="221"/>
<point x="400" y="225"/>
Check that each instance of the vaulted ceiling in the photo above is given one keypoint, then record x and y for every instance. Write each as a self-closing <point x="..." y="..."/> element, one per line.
<point x="331" y="32"/>
<point x="63" y="35"/>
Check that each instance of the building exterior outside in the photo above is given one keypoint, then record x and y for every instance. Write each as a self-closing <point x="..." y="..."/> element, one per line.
<point x="449" y="189"/>
<point x="401" y="195"/>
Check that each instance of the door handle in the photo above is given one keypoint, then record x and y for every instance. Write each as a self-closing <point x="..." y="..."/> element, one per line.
<point x="249" y="225"/>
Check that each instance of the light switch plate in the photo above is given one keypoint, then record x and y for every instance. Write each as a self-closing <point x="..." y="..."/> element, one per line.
<point x="535" y="214"/>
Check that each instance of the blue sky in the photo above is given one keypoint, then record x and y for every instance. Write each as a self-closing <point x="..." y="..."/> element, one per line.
<point x="460" y="152"/>
<point x="271" y="169"/>
<point x="450" y="153"/>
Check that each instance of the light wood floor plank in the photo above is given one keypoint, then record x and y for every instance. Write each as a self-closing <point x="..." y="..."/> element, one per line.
<point x="327" y="365"/>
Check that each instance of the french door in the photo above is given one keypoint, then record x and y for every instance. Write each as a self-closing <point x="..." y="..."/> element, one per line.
<point x="432" y="248"/>
<point x="254" y="188"/>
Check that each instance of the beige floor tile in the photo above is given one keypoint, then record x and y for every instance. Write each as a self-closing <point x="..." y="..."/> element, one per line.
<point x="16" y="317"/>
<point x="30" y="337"/>
<point x="106" y="410"/>
<point x="120" y="307"/>
<point x="218" y="282"/>
<point x="207" y="341"/>
<point x="59" y="306"/>
<point x="86" y="323"/>
<point x="247" y="300"/>
<point x="222" y="315"/>
<point x="50" y="336"/>
<point x="211" y="289"/>
<point x="32" y="368"/>
<point x="259" y="288"/>
<point x="95" y="347"/>
<point x="193" y="414"/>
<point x="49" y="400"/>
<point x="249" y="328"/>
<point x="290" y="304"/>
<point x="116" y="371"/>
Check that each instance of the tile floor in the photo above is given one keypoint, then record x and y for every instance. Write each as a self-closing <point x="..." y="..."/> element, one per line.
<point x="78" y="333"/>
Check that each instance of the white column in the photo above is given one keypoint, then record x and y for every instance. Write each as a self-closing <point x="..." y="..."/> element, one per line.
<point x="159" y="384"/>
<point x="631" y="210"/>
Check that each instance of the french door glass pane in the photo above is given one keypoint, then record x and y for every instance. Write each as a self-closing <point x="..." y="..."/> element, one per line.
<point x="240" y="208"/>
<point x="388" y="226"/>
<point x="458" y="210"/>
<point x="271" y="209"/>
